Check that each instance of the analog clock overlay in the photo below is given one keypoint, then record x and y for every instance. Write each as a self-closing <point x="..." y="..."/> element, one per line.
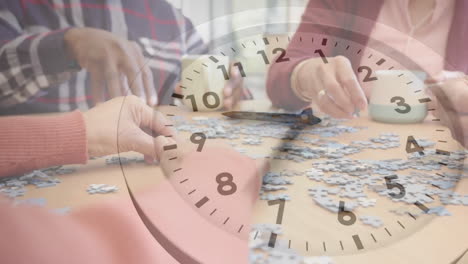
<point x="335" y="187"/>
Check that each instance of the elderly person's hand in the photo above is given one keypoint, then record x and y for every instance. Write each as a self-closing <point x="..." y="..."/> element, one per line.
<point x="451" y="106"/>
<point x="233" y="92"/>
<point x="127" y="124"/>
<point x="116" y="65"/>
<point x="332" y="86"/>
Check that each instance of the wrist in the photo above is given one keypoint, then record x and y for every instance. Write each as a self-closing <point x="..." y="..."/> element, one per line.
<point x="53" y="56"/>
<point x="88" y="140"/>
<point x="69" y="38"/>
<point x="296" y="86"/>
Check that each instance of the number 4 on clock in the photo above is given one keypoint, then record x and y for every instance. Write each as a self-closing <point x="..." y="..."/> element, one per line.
<point x="413" y="146"/>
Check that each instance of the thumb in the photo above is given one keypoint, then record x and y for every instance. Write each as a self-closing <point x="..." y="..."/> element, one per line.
<point x="149" y="146"/>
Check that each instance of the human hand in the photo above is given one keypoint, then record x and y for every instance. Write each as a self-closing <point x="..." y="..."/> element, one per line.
<point x="450" y="99"/>
<point x="233" y="91"/>
<point x="333" y="86"/>
<point x="119" y="125"/>
<point x="444" y="76"/>
<point x="115" y="64"/>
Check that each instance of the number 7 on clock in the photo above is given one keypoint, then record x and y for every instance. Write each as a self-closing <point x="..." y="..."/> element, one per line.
<point x="279" y="220"/>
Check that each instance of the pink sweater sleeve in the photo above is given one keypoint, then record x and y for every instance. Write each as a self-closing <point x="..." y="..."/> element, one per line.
<point x="32" y="142"/>
<point x="279" y="76"/>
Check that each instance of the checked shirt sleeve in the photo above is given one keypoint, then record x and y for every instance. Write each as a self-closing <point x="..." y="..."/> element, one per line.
<point x="193" y="40"/>
<point x="29" y="62"/>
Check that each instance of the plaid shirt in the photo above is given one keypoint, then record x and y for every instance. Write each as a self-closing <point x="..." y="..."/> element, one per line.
<point x="36" y="75"/>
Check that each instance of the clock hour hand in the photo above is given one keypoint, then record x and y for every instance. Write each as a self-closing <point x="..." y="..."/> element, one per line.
<point x="305" y="117"/>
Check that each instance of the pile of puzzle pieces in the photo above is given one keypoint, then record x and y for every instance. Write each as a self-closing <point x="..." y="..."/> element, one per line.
<point x="335" y="174"/>
<point x="14" y="187"/>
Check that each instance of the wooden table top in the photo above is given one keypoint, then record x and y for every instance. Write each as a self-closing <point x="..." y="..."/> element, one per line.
<point x="440" y="241"/>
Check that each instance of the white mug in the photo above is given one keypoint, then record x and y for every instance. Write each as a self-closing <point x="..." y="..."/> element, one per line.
<point x="396" y="95"/>
<point x="203" y="81"/>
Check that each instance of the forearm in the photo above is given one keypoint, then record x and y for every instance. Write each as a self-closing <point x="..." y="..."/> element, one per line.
<point x="31" y="62"/>
<point x="280" y="85"/>
<point x="29" y="143"/>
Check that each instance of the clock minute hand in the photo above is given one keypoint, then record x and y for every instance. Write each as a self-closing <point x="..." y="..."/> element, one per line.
<point x="306" y="117"/>
<point x="259" y="116"/>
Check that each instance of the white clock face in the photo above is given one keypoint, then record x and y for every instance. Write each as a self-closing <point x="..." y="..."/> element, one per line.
<point x="341" y="187"/>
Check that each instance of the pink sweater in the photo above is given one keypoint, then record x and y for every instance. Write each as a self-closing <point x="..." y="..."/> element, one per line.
<point x="279" y="76"/>
<point x="425" y="42"/>
<point x="111" y="232"/>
